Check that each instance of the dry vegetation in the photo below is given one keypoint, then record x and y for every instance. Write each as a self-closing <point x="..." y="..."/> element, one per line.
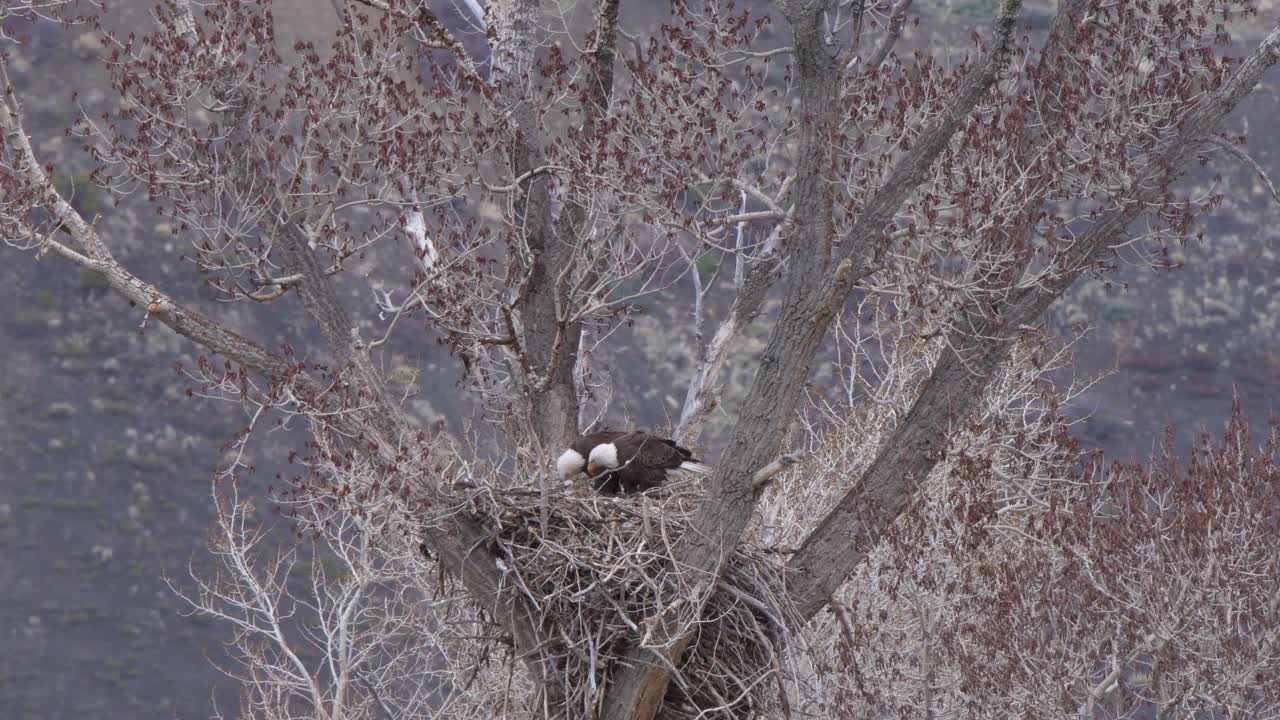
<point x="895" y="224"/>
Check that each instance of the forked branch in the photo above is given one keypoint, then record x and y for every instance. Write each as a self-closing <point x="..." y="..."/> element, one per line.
<point x="809" y="308"/>
<point x="826" y="559"/>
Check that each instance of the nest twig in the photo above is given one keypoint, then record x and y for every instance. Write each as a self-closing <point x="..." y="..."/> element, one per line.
<point x="601" y="572"/>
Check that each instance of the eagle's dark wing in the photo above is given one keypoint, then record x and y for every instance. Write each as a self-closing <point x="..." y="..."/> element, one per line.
<point x="644" y="460"/>
<point x="686" y="454"/>
<point x="586" y="443"/>
<point x="637" y="479"/>
<point x="656" y="452"/>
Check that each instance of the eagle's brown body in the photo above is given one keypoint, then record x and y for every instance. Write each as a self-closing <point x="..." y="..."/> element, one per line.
<point x="632" y="462"/>
<point x="623" y="463"/>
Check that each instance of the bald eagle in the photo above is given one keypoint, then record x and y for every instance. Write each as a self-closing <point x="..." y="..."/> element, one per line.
<point x="574" y="460"/>
<point x="622" y="463"/>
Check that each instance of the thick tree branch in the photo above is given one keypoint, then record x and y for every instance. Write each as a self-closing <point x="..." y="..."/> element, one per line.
<point x="897" y="18"/>
<point x="548" y="252"/>
<point x="548" y="255"/>
<point x="841" y="542"/>
<point x="95" y="255"/>
<point x="815" y="289"/>
<point x="461" y="543"/>
<point x="563" y="264"/>
<point x="770" y="472"/>
<point x="914" y="167"/>
<point x="325" y="309"/>
<point x="708" y="380"/>
<point x="435" y="32"/>
<point x="752" y="282"/>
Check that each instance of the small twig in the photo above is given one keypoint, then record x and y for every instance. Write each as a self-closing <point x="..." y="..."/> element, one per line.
<point x="1248" y="160"/>
<point x="751" y="216"/>
<point x="516" y="183"/>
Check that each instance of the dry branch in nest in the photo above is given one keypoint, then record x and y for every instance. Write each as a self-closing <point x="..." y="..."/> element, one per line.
<point x="601" y="574"/>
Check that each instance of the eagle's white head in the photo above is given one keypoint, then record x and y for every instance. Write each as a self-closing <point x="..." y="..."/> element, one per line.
<point x="571" y="463"/>
<point x="603" y="457"/>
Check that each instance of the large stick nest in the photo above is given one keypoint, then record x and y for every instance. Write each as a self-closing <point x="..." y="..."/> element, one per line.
<point x="600" y="573"/>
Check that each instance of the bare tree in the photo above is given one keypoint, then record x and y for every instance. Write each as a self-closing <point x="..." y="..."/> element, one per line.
<point x="928" y="208"/>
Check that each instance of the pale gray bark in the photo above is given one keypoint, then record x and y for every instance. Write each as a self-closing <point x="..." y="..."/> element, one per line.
<point x="703" y="394"/>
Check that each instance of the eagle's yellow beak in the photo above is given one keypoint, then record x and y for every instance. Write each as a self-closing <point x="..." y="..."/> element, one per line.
<point x="591" y="469"/>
